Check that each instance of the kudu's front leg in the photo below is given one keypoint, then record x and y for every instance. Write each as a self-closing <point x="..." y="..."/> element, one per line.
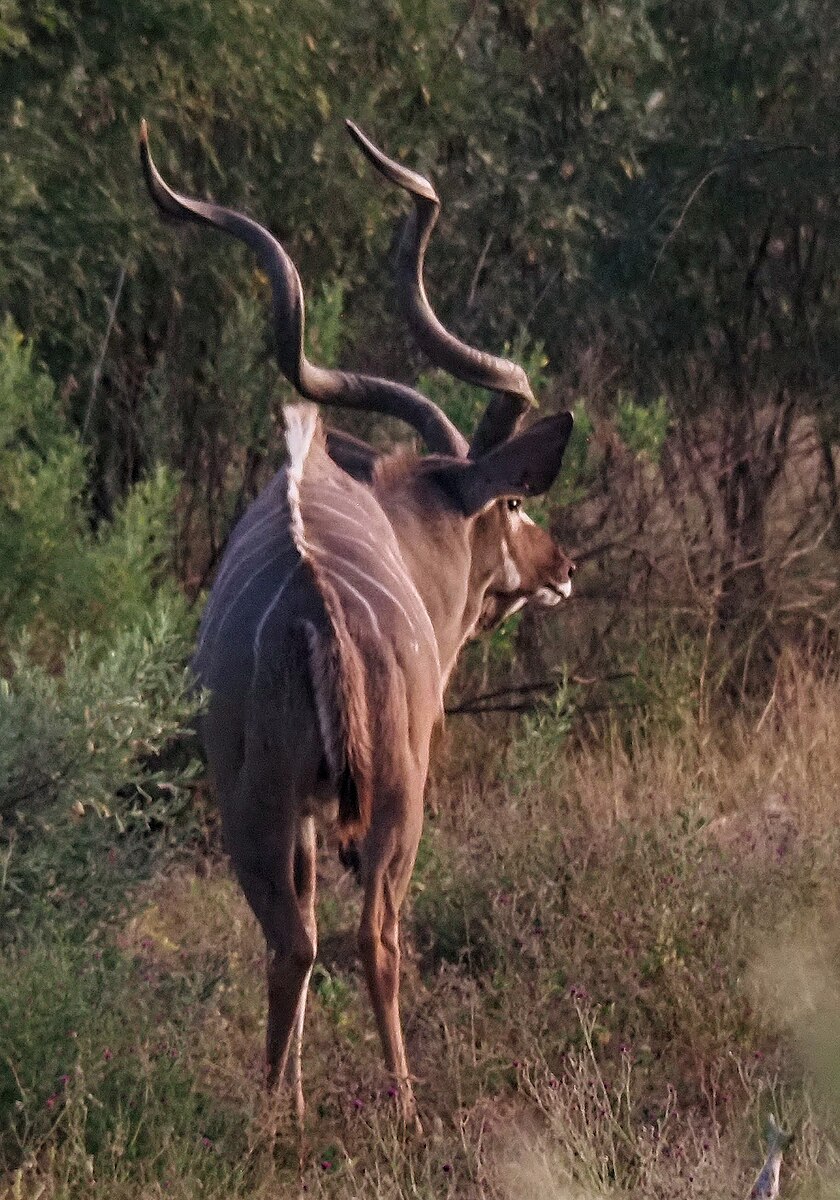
<point x="389" y="855"/>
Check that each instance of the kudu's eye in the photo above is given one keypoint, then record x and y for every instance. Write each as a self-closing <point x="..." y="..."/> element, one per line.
<point x="514" y="504"/>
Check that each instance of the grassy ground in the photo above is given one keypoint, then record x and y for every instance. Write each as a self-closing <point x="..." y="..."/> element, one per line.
<point x="621" y="956"/>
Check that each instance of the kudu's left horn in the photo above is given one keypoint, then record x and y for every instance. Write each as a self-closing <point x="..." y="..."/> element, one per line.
<point x="314" y="383"/>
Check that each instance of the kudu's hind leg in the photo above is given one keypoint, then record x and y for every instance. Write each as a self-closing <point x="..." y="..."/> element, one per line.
<point x="304" y="869"/>
<point x="389" y="859"/>
<point x="291" y="954"/>
<point x="262" y="836"/>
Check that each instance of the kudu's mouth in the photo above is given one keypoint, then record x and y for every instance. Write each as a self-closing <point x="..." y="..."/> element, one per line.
<point x="552" y="593"/>
<point x="498" y="606"/>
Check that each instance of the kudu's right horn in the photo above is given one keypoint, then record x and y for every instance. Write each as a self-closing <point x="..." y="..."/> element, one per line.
<point x="513" y="395"/>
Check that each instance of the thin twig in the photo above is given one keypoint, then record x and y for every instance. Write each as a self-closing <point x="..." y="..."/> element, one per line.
<point x="695" y="193"/>
<point x="459" y="32"/>
<point x="97" y="371"/>
<point x="756" y="152"/>
<point x="479" y="267"/>
<point x="483" y="701"/>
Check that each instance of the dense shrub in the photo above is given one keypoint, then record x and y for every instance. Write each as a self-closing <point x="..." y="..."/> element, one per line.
<point x="84" y="733"/>
<point x="95" y="642"/>
<point x="87" y="1064"/>
<point x="58" y="576"/>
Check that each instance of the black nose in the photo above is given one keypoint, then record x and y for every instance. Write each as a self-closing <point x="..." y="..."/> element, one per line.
<point x="572" y="569"/>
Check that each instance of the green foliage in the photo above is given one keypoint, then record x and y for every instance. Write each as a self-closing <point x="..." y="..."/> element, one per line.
<point x="334" y="994"/>
<point x="500" y="645"/>
<point x="642" y="427"/>
<point x="462" y="403"/>
<point x="41" y="479"/>
<point x="239" y="380"/>
<point x="660" y="682"/>
<point x="78" y="734"/>
<point x="536" y="751"/>
<point x="452" y="915"/>
<point x="99" y="1073"/>
<point x="128" y="559"/>
<point x="579" y="461"/>
<point x="95" y="644"/>
<point x="58" y="578"/>
<point x="80" y="772"/>
<point x="325" y="325"/>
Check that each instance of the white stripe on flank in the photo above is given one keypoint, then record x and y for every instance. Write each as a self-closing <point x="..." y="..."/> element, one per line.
<point x="232" y="567"/>
<point x="401" y="577"/>
<point x="343" y="515"/>
<point x="269" y="610"/>
<point x="241" y="534"/>
<point x="246" y="585"/>
<point x="347" y="562"/>
<point x="395" y="568"/>
<point x="401" y="570"/>
<point x="231" y="557"/>
<point x="349" y="586"/>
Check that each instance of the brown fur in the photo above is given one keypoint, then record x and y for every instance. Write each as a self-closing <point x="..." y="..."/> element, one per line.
<point x="393" y="468"/>
<point x="338" y="680"/>
<point x="336" y="669"/>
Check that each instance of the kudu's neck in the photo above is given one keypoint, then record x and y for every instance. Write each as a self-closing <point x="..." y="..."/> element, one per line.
<point x="436" y="548"/>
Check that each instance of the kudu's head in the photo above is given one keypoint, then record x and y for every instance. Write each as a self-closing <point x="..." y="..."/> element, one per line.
<point x="513" y="560"/>
<point x="469" y="494"/>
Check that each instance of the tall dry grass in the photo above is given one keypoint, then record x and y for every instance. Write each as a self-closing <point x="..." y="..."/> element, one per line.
<point x="620" y="957"/>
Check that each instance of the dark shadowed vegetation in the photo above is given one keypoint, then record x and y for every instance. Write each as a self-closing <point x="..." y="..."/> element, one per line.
<point x="622" y="948"/>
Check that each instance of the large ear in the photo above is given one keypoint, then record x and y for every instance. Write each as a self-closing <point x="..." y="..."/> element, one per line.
<point x="355" y="456"/>
<point x="526" y="465"/>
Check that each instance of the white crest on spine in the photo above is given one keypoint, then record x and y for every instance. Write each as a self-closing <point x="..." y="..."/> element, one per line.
<point x="301" y="423"/>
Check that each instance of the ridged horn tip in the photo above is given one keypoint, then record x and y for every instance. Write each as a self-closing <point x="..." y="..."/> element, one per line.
<point x="418" y="185"/>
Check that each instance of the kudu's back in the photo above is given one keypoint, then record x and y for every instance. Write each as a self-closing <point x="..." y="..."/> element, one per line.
<point x="315" y="646"/>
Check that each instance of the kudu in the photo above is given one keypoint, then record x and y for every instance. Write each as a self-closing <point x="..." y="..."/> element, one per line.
<point x="340" y="605"/>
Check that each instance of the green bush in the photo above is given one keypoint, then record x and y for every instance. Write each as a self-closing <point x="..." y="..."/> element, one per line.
<point x="536" y="752"/>
<point x="59" y="578"/>
<point x="80" y="773"/>
<point x="642" y="427"/>
<point x="41" y="479"/>
<point x="79" y="735"/>
<point x="88" y="1064"/>
<point x="93" y="676"/>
